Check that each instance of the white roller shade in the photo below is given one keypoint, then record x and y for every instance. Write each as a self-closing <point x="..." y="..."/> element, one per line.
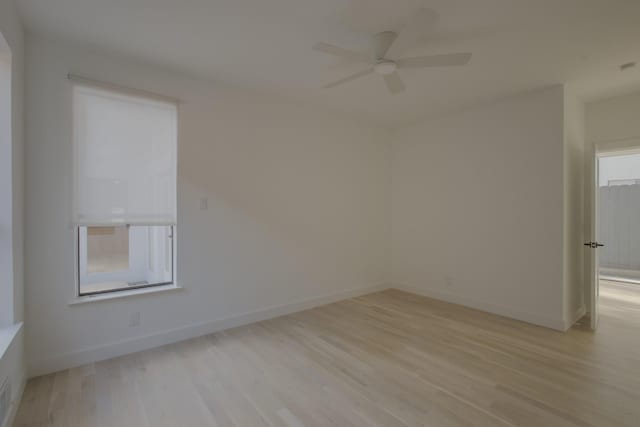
<point x="125" y="158"/>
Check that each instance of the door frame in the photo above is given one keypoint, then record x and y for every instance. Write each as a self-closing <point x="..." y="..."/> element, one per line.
<point x="617" y="147"/>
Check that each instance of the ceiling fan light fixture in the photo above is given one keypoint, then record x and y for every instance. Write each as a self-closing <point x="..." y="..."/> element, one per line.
<point x="389" y="44"/>
<point x="385" y="67"/>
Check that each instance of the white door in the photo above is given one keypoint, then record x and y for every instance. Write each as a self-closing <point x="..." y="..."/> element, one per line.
<point x="595" y="262"/>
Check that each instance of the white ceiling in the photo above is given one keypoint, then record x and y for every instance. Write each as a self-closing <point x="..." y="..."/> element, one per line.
<point x="266" y="44"/>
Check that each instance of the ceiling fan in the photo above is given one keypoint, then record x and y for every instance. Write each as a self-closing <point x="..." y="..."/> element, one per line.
<point x="387" y="48"/>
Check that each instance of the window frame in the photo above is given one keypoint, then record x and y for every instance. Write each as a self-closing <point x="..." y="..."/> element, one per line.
<point x="78" y="297"/>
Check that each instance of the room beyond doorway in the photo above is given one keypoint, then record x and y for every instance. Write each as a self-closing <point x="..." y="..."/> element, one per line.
<point x="619" y="223"/>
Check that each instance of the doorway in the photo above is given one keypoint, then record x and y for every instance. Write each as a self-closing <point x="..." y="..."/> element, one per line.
<point x="615" y="250"/>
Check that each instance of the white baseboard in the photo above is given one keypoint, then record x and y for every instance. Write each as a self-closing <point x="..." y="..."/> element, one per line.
<point x="120" y="348"/>
<point x="534" y="318"/>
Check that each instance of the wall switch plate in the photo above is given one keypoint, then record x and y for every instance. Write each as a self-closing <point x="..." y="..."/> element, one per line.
<point x="204" y="204"/>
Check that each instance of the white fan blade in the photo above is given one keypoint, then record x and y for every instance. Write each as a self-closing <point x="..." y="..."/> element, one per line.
<point x="342" y="53"/>
<point x="446" y="60"/>
<point x="349" y="78"/>
<point x="382" y="42"/>
<point x="418" y="24"/>
<point x="394" y="83"/>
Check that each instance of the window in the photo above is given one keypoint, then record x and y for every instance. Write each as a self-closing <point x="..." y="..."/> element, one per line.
<point x="114" y="258"/>
<point x="124" y="190"/>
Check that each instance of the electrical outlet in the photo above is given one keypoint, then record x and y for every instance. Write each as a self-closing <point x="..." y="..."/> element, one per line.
<point x="134" y="319"/>
<point x="204" y="204"/>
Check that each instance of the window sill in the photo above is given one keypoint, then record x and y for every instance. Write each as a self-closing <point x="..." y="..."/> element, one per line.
<point x="125" y="294"/>
<point x="7" y="334"/>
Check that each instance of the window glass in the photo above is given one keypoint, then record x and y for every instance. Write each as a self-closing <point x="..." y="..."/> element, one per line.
<point x="107" y="249"/>
<point x="124" y="257"/>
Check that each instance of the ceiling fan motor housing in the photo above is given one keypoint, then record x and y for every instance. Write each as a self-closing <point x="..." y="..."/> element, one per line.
<point x="385" y="67"/>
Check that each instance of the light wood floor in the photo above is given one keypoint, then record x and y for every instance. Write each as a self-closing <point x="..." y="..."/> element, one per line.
<point x="385" y="359"/>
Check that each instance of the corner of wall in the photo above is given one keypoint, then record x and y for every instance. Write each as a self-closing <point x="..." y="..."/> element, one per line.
<point x="429" y="242"/>
<point x="574" y="226"/>
<point x="575" y="316"/>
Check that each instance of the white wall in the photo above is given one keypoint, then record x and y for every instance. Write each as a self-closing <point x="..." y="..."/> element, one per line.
<point x="12" y="361"/>
<point x="298" y="211"/>
<point x="614" y="119"/>
<point x="478" y="207"/>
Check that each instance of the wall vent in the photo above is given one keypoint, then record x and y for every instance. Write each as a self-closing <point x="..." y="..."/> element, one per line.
<point x="5" y="400"/>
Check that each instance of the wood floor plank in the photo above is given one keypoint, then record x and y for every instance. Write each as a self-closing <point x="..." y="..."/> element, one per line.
<point x="389" y="359"/>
